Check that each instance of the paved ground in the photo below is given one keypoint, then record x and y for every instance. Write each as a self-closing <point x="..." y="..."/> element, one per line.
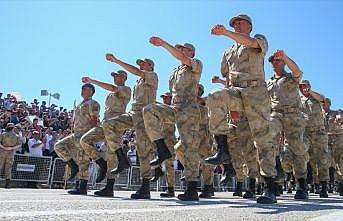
<point x="47" y="204"/>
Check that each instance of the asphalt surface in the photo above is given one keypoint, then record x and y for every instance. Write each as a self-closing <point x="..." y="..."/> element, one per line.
<point x="56" y="204"/>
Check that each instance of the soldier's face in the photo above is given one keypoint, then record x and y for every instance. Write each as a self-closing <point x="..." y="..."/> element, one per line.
<point x="188" y="52"/>
<point x="87" y="92"/>
<point x="326" y="106"/>
<point x="242" y="26"/>
<point x="167" y="100"/>
<point x="119" y="79"/>
<point x="305" y="89"/>
<point x="145" y="66"/>
<point x="278" y="65"/>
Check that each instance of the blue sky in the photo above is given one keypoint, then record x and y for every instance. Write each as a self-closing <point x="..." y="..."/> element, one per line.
<point x="52" y="44"/>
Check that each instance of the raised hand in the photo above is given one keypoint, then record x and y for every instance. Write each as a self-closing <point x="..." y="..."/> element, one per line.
<point x="218" y="30"/>
<point x="86" y="80"/>
<point x="110" y="57"/>
<point x="156" y="41"/>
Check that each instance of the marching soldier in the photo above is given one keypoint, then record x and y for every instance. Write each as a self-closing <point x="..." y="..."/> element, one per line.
<point x="86" y="117"/>
<point x="115" y="105"/>
<point x="184" y="111"/>
<point x="242" y="150"/>
<point x="170" y="139"/>
<point x="315" y="136"/>
<point x="286" y="117"/>
<point x="334" y="127"/>
<point x="243" y="63"/>
<point x="144" y="93"/>
<point x="205" y="148"/>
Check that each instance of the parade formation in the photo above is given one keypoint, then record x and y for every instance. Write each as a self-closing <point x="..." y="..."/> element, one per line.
<point x="270" y="130"/>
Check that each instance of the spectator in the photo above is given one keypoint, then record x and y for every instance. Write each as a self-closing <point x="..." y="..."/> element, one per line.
<point x="132" y="155"/>
<point x="47" y="141"/>
<point x="35" y="125"/>
<point x="35" y="145"/>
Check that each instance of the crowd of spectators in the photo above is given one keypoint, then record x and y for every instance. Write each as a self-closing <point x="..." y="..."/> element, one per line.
<point x="39" y="125"/>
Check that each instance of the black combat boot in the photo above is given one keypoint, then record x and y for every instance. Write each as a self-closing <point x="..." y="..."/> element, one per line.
<point x="207" y="191"/>
<point x="316" y="188"/>
<point x="301" y="193"/>
<point x="158" y="174"/>
<point x="82" y="190"/>
<point x="228" y="172"/>
<point x="123" y="162"/>
<point x="340" y="188"/>
<point x="222" y="154"/>
<point x="102" y="170"/>
<point x="7" y="183"/>
<point x="163" y="153"/>
<point x="268" y="196"/>
<point x="238" y="190"/>
<point x="74" y="169"/>
<point x="107" y="191"/>
<point x="190" y="193"/>
<point x="259" y="189"/>
<point x="332" y="179"/>
<point x="323" y="190"/>
<point x="169" y="193"/>
<point x="143" y="192"/>
<point x="250" y="194"/>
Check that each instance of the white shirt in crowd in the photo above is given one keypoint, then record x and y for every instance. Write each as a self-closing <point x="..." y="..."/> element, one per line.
<point x="48" y="138"/>
<point x="35" y="151"/>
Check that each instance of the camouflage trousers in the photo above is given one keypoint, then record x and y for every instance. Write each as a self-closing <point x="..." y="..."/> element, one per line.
<point x="317" y="143"/>
<point x="205" y="150"/>
<point x="254" y="103"/>
<point x="170" y="140"/>
<point x="294" y="153"/>
<point x="186" y="117"/>
<point x="88" y="141"/>
<point x="70" y="147"/>
<point x="242" y="150"/>
<point x="6" y="163"/>
<point x="115" y="127"/>
<point x="336" y="144"/>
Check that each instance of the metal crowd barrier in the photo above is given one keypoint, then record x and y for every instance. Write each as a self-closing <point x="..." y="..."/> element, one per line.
<point x="46" y="170"/>
<point x="30" y="168"/>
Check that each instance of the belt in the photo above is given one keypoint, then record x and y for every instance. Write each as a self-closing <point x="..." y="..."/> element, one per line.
<point x="248" y="83"/>
<point x="313" y="129"/>
<point x="286" y="110"/>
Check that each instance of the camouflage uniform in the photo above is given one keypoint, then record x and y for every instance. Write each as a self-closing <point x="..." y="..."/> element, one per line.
<point x="184" y="111"/>
<point x="205" y="148"/>
<point x="115" y="105"/>
<point x="66" y="147"/>
<point x="242" y="149"/>
<point x="8" y="139"/>
<point x="144" y="93"/>
<point x="335" y="133"/>
<point x="170" y="139"/>
<point x="286" y="117"/>
<point x="316" y="138"/>
<point x="248" y="95"/>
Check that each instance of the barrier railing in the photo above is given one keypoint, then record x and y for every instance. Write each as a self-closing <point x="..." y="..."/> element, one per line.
<point x="46" y="170"/>
<point x="30" y="168"/>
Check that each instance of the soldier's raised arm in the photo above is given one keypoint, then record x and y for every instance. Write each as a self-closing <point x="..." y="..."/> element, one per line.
<point x="106" y="86"/>
<point x="130" y="68"/>
<point x="159" y="42"/>
<point x="238" y="37"/>
<point x="280" y="55"/>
